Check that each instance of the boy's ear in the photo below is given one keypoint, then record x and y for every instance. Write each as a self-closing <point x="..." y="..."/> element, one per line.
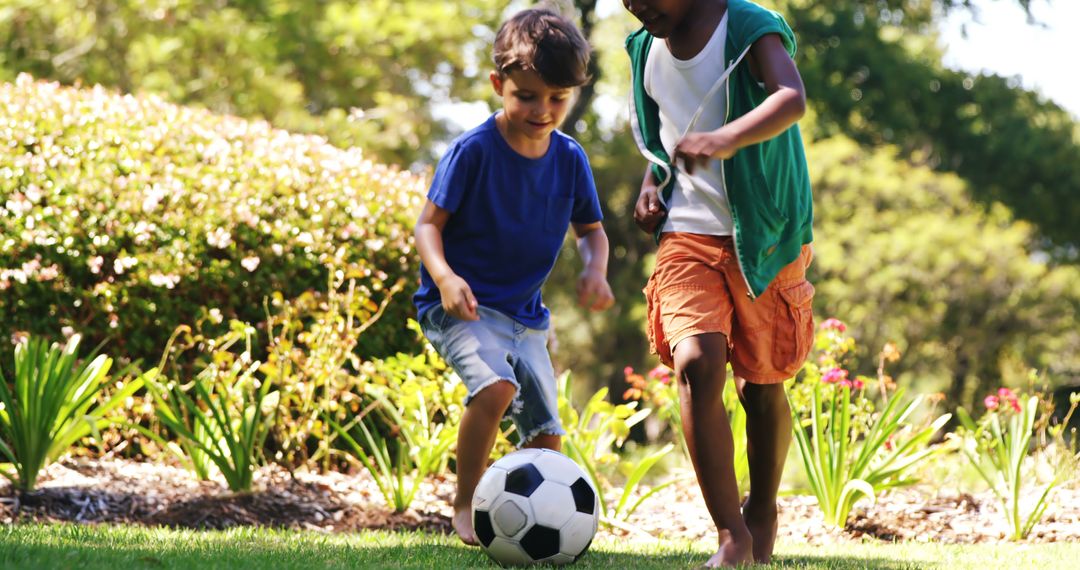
<point x="497" y="82"/>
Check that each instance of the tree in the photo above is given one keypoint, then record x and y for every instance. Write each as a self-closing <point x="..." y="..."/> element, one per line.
<point x="873" y="71"/>
<point x="903" y="255"/>
<point x="361" y="73"/>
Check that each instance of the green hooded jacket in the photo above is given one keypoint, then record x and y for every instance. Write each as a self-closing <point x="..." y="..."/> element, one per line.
<point x="768" y="186"/>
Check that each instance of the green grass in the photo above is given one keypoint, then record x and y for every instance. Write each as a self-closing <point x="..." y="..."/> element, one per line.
<point x="116" y="548"/>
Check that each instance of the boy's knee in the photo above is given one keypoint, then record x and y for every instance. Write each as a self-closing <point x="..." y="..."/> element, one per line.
<point x="764" y="397"/>
<point x="496" y="396"/>
<point x="504" y="390"/>
<point x="703" y="356"/>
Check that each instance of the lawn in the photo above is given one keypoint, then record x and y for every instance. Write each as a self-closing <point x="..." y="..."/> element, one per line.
<point x="114" y="548"/>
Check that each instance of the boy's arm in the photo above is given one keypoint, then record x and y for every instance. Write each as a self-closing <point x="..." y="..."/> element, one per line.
<point x="592" y="286"/>
<point x="784" y="106"/>
<point x="648" y="211"/>
<point x="457" y="296"/>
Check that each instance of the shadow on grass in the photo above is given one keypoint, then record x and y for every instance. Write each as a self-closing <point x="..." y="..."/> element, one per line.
<point x="695" y="560"/>
<point x="112" y="548"/>
<point x="846" y="562"/>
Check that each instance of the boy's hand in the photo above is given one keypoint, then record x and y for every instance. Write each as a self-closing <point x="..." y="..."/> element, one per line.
<point x="699" y="148"/>
<point x="647" y="211"/>
<point x="593" y="291"/>
<point x="457" y="299"/>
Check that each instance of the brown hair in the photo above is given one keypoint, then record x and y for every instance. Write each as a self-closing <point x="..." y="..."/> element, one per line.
<point x="540" y="40"/>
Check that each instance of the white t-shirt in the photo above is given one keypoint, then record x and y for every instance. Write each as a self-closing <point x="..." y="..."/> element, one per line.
<point x="698" y="202"/>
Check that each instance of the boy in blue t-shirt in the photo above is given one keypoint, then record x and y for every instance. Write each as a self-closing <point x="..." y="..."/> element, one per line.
<point x="501" y="201"/>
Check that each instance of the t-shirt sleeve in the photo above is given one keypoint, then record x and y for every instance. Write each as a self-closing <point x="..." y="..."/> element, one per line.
<point x="586" y="201"/>
<point x="759" y="21"/>
<point x="456" y="171"/>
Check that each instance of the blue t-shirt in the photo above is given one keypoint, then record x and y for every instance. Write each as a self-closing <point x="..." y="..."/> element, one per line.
<point x="508" y="218"/>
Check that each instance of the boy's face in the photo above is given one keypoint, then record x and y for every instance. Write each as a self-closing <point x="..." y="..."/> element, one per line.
<point x="533" y="108"/>
<point x="660" y="17"/>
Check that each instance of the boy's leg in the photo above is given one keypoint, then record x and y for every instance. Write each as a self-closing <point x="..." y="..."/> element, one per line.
<point x="478" y="352"/>
<point x="768" y="436"/>
<point x="701" y="369"/>
<point x="772" y="338"/>
<point x="476" y="436"/>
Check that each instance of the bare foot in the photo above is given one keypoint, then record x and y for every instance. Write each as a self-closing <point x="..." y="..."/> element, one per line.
<point x="761" y="521"/>
<point x="464" y="528"/>
<point x="733" y="552"/>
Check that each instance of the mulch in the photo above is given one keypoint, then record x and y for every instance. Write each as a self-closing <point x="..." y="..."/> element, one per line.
<point x="119" y="491"/>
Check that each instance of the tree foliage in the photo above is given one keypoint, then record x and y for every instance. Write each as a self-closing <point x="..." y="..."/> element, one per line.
<point x="904" y="256"/>
<point x="363" y="73"/>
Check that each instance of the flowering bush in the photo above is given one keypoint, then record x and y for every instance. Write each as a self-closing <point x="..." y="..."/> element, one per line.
<point x="124" y="217"/>
<point x="849" y="449"/>
<point x="999" y="446"/>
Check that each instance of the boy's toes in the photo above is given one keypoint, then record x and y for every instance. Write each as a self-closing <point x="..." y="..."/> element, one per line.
<point x="463" y="527"/>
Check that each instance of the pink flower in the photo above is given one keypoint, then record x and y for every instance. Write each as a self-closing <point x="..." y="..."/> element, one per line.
<point x="661" y="373"/>
<point x="834" y="375"/>
<point x="991" y="402"/>
<point x="844" y="383"/>
<point x="628" y="370"/>
<point x="1008" y="396"/>
<point x="858" y="383"/>
<point x="833" y="324"/>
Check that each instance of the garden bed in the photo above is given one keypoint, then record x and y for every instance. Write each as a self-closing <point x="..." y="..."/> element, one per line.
<point x="119" y="491"/>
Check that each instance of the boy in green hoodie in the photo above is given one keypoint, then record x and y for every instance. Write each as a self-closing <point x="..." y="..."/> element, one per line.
<point x="715" y="99"/>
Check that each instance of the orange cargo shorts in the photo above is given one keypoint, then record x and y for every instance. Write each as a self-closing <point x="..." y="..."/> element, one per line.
<point x="698" y="288"/>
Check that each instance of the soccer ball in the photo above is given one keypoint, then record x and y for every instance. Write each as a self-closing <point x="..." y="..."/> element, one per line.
<point x="535" y="506"/>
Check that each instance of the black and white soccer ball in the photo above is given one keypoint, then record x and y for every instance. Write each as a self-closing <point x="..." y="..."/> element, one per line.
<point x="535" y="506"/>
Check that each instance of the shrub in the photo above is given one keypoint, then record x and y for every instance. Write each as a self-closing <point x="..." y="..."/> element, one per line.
<point x="849" y="449"/>
<point x="53" y="403"/>
<point x="311" y="356"/>
<point x="999" y="446"/>
<point x="124" y="217"/>
<point x="594" y="438"/>
<point x="402" y="424"/>
<point x="224" y="414"/>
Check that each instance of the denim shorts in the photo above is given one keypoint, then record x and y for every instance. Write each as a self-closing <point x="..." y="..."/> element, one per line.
<point x="495" y="348"/>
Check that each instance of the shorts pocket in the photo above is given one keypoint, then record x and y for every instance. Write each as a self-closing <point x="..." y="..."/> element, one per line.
<point x="438" y="317"/>
<point x="793" y="329"/>
<point x="433" y="324"/>
<point x="557" y="213"/>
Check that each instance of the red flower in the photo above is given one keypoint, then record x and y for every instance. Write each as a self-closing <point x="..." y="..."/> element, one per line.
<point x="991" y="402"/>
